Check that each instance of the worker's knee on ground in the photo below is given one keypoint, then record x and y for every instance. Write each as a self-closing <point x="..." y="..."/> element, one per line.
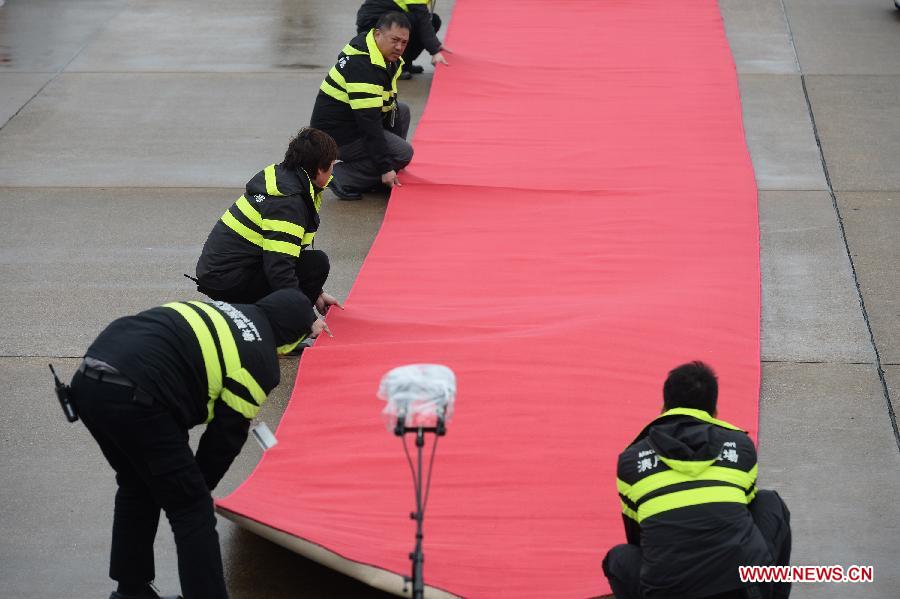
<point x="314" y="264"/>
<point x="620" y="559"/>
<point x="403" y="112"/>
<point x="403" y="155"/>
<point x="770" y="501"/>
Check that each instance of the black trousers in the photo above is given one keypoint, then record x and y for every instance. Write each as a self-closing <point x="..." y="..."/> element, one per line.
<point x="312" y="268"/>
<point x="622" y="564"/>
<point x="155" y="470"/>
<point x="415" y="45"/>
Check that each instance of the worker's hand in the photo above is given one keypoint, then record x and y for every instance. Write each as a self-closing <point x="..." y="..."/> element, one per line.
<point x="390" y="179"/>
<point x="318" y="326"/>
<point x="325" y="301"/>
<point x="439" y="58"/>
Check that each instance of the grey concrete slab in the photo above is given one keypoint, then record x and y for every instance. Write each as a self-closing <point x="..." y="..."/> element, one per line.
<point x="846" y="36"/>
<point x="16" y="89"/>
<point x="826" y="445"/>
<point x="759" y="37"/>
<point x="780" y="134"/>
<point x="57" y="496"/>
<point x="45" y="35"/>
<point x="235" y="35"/>
<point x="870" y="221"/>
<point x="810" y="307"/>
<point x="74" y="259"/>
<point x="857" y="120"/>
<point x="172" y="130"/>
<point x="892" y="377"/>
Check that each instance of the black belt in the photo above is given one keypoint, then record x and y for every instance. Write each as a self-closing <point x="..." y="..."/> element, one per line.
<point x="101" y="376"/>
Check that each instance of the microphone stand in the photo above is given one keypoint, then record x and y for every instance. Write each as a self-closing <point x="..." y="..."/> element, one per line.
<point x="417" y="556"/>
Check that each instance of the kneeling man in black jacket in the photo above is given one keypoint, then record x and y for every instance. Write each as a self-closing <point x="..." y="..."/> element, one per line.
<point x="691" y="508"/>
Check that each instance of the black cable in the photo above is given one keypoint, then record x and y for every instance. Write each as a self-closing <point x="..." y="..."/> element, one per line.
<point x="412" y="469"/>
<point x="430" y="470"/>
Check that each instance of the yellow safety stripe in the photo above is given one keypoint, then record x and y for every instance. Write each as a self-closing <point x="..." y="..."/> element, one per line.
<point x="271" y="184"/>
<point x="699" y="415"/>
<point x="243" y="376"/>
<point x="628" y="511"/>
<point x="230" y="354"/>
<point x="249" y="211"/>
<point x="282" y="247"/>
<point x="374" y="53"/>
<point x="308" y="238"/>
<point x="330" y="90"/>
<point x="672" y="477"/>
<point x="351" y="51"/>
<point x="233" y="369"/>
<point x="336" y="76"/>
<point x="283" y="226"/>
<point x="364" y="103"/>
<point x="362" y="88"/>
<point x="241" y="229"/>
<point x="680" y="499"/>
<point x="752" y="495"/>
<point x="239" y="404"/>
<point x="207" y="349"/>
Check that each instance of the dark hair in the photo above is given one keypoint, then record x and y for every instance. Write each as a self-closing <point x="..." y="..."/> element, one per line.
<point x="312" y="150"/>
<point x="692" y="385"/>
<point x="389" y="19"/>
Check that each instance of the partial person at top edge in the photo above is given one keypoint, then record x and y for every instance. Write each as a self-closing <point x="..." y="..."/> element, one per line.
<point x="690" y="504"/>
<point x="424" y="25"/>
<point x="262" y="243"/>
<point x="357" y="105"/>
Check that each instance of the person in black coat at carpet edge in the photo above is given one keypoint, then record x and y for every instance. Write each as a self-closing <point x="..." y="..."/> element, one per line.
<point x="690" y="505"/>
<point x="144" y="382"/>
<point x="263" y="241"/>
<point x="423" y="34"/>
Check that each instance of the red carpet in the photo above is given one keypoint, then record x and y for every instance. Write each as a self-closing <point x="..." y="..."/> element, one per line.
<point x="579" y="218"/>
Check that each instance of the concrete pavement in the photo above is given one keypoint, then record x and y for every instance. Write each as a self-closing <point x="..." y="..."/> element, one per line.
<point x="127" y="127"/>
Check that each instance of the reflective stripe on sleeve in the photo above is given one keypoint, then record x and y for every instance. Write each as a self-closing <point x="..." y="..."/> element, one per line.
<point x="249" y="211"/>
<point x="241" y="229"/>
<point x="281" y="247"/>
<point x="283" y="226"/>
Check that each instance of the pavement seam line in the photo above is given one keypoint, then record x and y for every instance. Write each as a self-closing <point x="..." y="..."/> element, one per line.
<point x="59" y="71"/>
<point x="840" y="219"/>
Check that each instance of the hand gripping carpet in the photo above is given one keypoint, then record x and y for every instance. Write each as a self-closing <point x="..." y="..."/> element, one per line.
<point x="579" y="218"/>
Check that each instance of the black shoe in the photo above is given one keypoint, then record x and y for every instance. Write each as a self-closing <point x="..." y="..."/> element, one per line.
<point x="148" y="592"/>
<point x="405" y="75"/>
<point x="414" y="69"/>
<point x="343" y="194"/>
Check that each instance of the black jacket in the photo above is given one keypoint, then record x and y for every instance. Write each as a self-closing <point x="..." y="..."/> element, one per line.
<point x="160" y="351"/>
<point x="416" y="11"/>
<point x="685" y="484"/>
<point x="357" y="97"/>
<point x="266" y="228"/>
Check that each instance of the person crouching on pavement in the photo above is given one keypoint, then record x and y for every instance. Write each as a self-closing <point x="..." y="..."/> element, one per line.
<point x="261" y="243"/>
<point x="149" y="378"/>
<point x="357" y="105"/>
<point x="690" y="504"/>
<point x="424" y="26"/>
